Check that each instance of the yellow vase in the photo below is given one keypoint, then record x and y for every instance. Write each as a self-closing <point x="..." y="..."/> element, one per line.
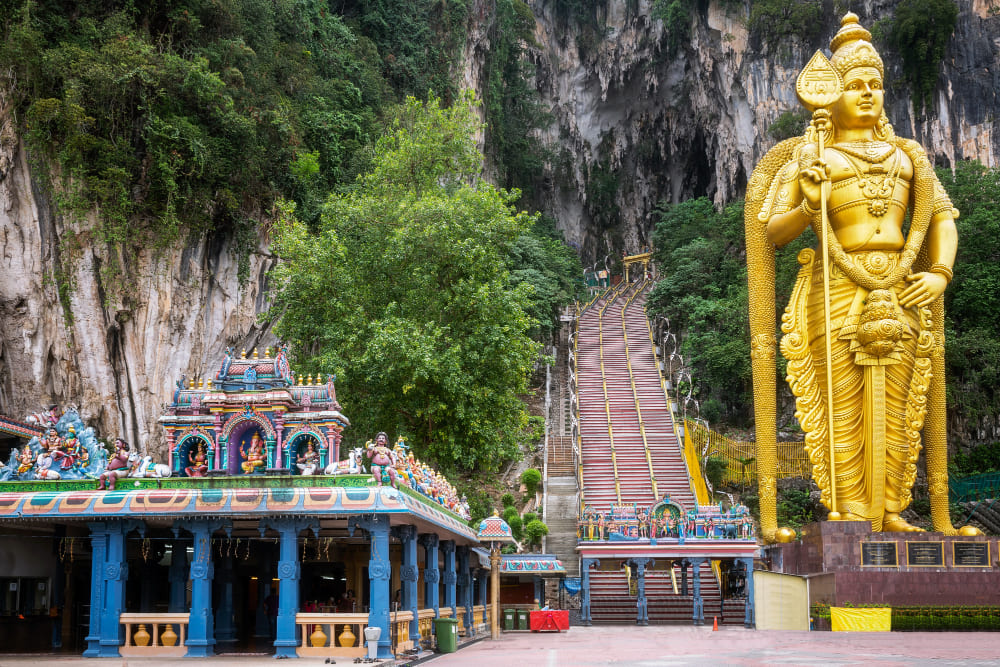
<point x="318" y="637"/>
<point x="168" y="637"/>
<point x="141" y="637"/>
<point x="346" y="638"/>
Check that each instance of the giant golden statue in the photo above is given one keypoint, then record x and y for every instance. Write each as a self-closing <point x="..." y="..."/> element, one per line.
<point x="875" y="290"/>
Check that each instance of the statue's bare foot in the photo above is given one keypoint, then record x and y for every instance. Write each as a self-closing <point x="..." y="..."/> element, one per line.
<point x="851" y="516"/>
<point x="892" y="523"/>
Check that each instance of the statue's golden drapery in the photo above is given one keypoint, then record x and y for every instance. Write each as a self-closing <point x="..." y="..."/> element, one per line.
<point x="853" y="181"/>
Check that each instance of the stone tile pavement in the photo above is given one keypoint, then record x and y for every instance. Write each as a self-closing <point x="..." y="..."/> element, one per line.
<point x="653" y="646"/>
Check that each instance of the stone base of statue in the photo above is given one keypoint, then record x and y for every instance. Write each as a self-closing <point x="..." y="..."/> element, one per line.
<point x="846" y="563"/>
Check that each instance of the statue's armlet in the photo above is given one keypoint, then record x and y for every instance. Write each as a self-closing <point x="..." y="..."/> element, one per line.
<point x="783" y="195"/>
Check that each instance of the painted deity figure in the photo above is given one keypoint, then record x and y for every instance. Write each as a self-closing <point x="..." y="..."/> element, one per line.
<point x="381" y="456"/>
<point x="882" y="321"/>
<point x="198" y="461"/>
<point x="68" y="452"/>
<point x="25" y="460"/>
<point x="45" y="465"/>
<point x="254" y="457"/>
<point x="308" y="463"/>
<point x="118" y="466"/>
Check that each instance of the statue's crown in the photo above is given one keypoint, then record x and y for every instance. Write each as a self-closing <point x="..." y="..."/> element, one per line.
<point x="852" y="47"/>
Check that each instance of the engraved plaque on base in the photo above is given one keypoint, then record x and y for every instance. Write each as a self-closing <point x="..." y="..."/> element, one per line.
<point x="879" y="554"/>
<point x="925" y="554"/>
<point x="970" y="554"/>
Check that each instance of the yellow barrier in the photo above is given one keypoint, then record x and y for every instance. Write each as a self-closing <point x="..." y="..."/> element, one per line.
<point x="852" y="619"/>
<point x="741" y="455"/>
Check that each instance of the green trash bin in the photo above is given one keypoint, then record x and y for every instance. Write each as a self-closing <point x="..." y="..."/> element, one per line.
<point x="522" y="619"/>
<point x="446" y="631"/>
<point x="508" y="618"/>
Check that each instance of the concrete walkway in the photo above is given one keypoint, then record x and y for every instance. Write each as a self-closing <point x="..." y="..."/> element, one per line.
<point x="653" y="646"/>
<point x="663" y="646"/>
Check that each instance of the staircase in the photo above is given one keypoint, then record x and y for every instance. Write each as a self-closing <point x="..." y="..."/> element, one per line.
<point x="611" y="603"/>
<point x="630" y="452"/>
<point x="629" y="448"/>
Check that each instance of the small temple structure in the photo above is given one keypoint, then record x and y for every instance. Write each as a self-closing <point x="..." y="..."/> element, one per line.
<point x="248" y="398"/>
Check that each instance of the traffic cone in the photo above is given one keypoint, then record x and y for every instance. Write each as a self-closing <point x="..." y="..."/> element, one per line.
<point x="715" y="623"/>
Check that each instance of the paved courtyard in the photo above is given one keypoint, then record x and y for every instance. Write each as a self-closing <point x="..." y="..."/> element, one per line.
<point x="647" y="647"/>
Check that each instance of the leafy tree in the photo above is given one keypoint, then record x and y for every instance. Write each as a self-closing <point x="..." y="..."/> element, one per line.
<point x="404" y="294"/>
<point x="972" y="347"/>
<point x="703" y="292"/>
<point x="775" y="20"/>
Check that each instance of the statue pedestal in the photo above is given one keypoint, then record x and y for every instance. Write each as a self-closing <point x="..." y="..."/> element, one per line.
<point x="845" y="562"/>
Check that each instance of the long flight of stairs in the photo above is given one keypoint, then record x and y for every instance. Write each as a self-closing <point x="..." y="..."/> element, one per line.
<point x="621" y="400"/>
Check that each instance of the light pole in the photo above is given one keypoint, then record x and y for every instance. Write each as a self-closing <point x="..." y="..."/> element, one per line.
<point x="494" y="531"/>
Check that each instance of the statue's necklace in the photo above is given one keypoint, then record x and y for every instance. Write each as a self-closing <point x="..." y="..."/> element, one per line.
<point x="876" y="184"/>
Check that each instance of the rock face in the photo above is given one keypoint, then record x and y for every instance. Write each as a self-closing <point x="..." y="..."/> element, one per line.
<point x="636" y="122"/>
<point x="71" y="346"/>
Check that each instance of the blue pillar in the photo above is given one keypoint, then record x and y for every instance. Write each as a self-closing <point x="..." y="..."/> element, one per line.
<point x="539" y="590"/>
<point x="448" y="547"/>
<point x="201" y="639"/>
<point x="432" y="574"/>
<point x="642" y="610"/>
<point x="379" y="572"/>
<point x="699" y="605"/>
<point x="99" y="550"/>
<point x="587" y="563"/>
<point x="484" y="576"/>
<point x="113" y="585"/>
<point x="749" y="619"/>
<point x="225" y="629"/>
<point x="408" y="576"/>
<point x="289" y="573"/>
<point x="465" y="587"/>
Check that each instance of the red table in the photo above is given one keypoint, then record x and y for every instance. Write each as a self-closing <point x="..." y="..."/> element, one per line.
<point x="551" y="620"/>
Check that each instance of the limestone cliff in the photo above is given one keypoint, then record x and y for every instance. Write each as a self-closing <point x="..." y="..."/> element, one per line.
<point x="64" y="341"/>
<point x="636" y="122"/>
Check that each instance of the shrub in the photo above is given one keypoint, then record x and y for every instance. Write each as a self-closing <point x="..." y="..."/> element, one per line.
<point x="507" y="500"/>
<point x="528" y="517"/>
<point x="715" y="470"/>
<point x="535" y="530"/>
<point x="531" y="478"/>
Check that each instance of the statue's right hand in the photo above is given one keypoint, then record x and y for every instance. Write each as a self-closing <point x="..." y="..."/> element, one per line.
<point x="813" y="170"/>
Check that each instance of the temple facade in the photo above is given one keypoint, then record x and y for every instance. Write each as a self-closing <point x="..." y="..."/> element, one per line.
<point x="235" y="545"/>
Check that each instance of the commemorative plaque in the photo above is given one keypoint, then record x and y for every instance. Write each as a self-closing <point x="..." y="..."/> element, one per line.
<point x="925" y="554"/>
<point x="970" y="554"/>
<point x="879" y="554"/>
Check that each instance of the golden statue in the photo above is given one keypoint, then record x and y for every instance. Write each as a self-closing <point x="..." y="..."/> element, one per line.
<point x="853" y="181"/>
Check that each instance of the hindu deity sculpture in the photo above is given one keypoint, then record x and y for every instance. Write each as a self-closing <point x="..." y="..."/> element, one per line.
<point x="308" y="463"/>
<point x="254" y="457"/>
<point x="382" y="458"/>
<point x="25" y="460"/>
<point x="199" y="462"/>
<point x="118" y="466"/>
<point x="867" y="298"/>
<point x="45" y="467"/>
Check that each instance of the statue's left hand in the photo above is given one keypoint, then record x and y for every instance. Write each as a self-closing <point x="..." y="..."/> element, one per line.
<point x="923" y="290"/>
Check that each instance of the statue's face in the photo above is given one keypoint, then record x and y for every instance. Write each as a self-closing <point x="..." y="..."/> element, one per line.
<point x="861" y="104"/>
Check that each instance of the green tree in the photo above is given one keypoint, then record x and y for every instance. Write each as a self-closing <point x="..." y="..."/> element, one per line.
<point x="405" y="295"/>
<point x="972" y="345"/>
